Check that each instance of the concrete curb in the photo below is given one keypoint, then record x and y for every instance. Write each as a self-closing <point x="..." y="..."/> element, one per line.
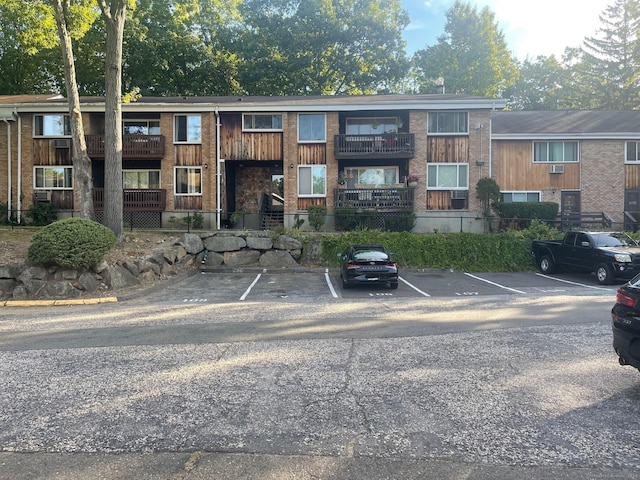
<point x="58" y="302"/>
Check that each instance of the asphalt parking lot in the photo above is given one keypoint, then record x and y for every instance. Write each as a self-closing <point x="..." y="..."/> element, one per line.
<point x="216" y="286"/>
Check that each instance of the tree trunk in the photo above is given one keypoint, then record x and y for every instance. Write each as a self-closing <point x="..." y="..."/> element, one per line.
<point x="114" y="21"/>
<point x="83" y="183"/>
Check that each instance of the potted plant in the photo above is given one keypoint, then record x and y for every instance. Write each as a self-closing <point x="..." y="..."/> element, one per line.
<point x="342" y="180"/>
<point x="412" y="180"/>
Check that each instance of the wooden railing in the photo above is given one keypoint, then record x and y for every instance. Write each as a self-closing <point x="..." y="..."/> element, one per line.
<point x="133" y="146"/>
<point x="374" y="198"/>
<point x="387" y="145"/>
<point x="147" y="200"/>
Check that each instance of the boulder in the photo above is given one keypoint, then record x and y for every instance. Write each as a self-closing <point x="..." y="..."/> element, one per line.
<point x="257" y="243"/>
<point x="210" y="259"/>
<point x="88" y="282"/>
<point x="221" y="243"/>
<point x="192" y="243"/>
<point x="285" y="242"/>
<point x="277" y="259"/>
<point x="9" y="271"/>
<point x="58" y="290"/>
<point x="117" y="277"/>
<point x="243" y="257"/>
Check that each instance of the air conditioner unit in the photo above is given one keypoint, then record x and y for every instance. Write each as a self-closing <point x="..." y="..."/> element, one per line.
<point x="62" y="143"/>
<point x="556" y="168"/>
<point x="459" y="194"/>
<point x="42" y="196"/>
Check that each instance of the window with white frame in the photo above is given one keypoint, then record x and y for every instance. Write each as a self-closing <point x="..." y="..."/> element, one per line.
<point x="188" y="180"/>
<point x="632" y="152"/>
<point x="374" y="176"/>
<point x="141" y="127"/>
<point x="448" y="176"/>
<point x="51" y="126"/>
<point x="141" y="179"/>
<point x="187" y="129"/>
<point x="448" y="123"/>
<point x="261" y="121"/>
<point x="55" y="178"/>
<point x="311" y="127"/>
<point x="312" y="180"/>
<point x="512" y="197"/>
<point x="555" y="151"/>
<point x="371" y="125"/>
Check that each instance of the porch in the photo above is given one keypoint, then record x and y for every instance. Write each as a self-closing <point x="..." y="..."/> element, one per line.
<point x="391" y="198"/>
<point x="148" y="200"/>
<point x="133" y="146"/>
<point x="383" y="146"/>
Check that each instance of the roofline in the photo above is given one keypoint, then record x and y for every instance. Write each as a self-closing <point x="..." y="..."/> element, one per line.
<point x="567" y="136"/>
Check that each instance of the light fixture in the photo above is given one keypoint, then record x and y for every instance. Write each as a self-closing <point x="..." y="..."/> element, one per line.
<point x="206" y="166"/>
<point x="291" y="165"/>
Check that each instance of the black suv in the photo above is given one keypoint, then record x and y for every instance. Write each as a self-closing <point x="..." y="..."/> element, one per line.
<point x="625" y="321"/>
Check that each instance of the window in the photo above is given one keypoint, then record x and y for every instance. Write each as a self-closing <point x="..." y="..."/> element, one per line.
<point x="255" y="121"/>
<point x="448" y="122"/>
<point x="632" y="152"/>
<point x="555" y="151"/>
<point x="141" y="127"/>
<point x="51" y="126"/>
<point x="448" y="176"/>
<point x="141" y="179"/>
<point x="60" y="178"/>
<point x="188" y="129"/>
<point x="188" y="180"/>
<point x="375" y="176"/>
<point x="511" y="197"/>
<point x="312" y="181"/>
<point x="371" y="125"/>
<point x="311" y="127"/>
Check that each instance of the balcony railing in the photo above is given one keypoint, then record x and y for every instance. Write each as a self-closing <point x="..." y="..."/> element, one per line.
<point x="374" y="198"/>
<point x="388" y="145"/>
<point x="133" y="146"/>
<point x="134" y="200"/>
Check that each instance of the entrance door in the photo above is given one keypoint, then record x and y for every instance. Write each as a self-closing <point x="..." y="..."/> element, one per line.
<point x="631" y="205"/>
<point x="570" y="209"/>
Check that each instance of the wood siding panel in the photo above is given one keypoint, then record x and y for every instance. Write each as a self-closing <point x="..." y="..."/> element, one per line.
<point x="188" y="155"/>
<point x="238" y="145"/>
<point x="632" y="177"/>
<point x="517" y="172"/>
<point x="187" y="202"/>
<point x="44" y="153"/>
<point x="304" y="203"/>
<point x="448" y="149"/>
<point x="313" y="154"/>
<point x="438" y="200"/>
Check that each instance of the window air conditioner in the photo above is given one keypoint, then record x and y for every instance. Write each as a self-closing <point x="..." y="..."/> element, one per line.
<point x="459" y="194"/>
<point x="556" y="168"/>
<point x="62" y="143"/>
<point x="42" y="196"/>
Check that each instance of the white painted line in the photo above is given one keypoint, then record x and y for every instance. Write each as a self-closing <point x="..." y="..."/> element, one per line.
<point x="333" y="290"/>
<point x="414" y="287"/>
<point x="573" y="283"/>
<point x="495" y="284"/>
<point x="244" y="295"/>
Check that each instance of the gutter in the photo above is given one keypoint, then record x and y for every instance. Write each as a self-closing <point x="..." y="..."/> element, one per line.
<point x="219" y="163"/>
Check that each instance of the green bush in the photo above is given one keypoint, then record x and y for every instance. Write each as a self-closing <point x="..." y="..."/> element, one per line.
<point x="524" y="212"/>
<point x="317" y="216"/>
<point x="42" y="213"/>
<point x="71" y="243"/>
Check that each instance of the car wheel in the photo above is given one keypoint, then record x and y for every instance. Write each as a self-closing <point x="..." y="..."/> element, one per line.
<point x="546" y="264"/>
<point x="345" y="285"/>
<point x="393" y="285"/>
<point x="604" y="274"/>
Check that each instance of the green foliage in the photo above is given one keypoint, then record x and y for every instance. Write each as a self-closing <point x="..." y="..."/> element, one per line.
<point x="317" y="216"/>
<point x="297" y="221"/>
<point x="71" y="243"/>
<point x="42" y="214"/>
<point x="195" y="220"/>
<point x="488" y="192"/>
<point x="519" y="214"/>
<point x="348" y="219"/>
<point x="4" y="214"/>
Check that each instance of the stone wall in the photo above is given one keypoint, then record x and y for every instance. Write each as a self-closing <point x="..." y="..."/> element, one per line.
<point x="206" y="250"/>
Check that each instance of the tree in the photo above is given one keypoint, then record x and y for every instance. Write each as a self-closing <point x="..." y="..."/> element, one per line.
<point x="471" y="56"/>
<point x="114" y="18"/>
<point x="541" y="85"/>
<point x="319" y="47"/>
<point x="66" y="20"/>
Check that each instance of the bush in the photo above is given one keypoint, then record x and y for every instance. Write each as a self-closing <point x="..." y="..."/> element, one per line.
<point x="42" y="213"/>
<point x="317" y="216"/>
<point x="523" y="212"/>
<point x="71" y="243"/>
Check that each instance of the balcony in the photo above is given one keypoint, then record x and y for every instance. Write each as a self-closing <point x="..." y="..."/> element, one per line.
<point x="134" y="200"/>
<point x="133" y="146"/>
<point x="393" y="198"/>
<point x="388" y="145"/>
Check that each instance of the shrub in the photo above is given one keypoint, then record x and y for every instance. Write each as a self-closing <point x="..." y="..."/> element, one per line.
<point x="521" y="213"/>
<point x="71" y="243"/>
<point x="42" y="214"/>
<point x="317" y="216"/>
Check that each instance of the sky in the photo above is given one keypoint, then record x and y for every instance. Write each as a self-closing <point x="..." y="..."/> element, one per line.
<point x="530" y="27"/>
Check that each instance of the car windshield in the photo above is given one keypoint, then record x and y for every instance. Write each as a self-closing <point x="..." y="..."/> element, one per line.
<point x="370" y="255"/>
<point x="614" y="240"/>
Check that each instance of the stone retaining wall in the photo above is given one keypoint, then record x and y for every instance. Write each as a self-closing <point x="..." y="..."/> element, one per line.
<point x="206" y="250"/>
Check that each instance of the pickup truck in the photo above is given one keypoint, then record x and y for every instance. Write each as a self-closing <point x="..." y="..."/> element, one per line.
<point x="610" y="255"/>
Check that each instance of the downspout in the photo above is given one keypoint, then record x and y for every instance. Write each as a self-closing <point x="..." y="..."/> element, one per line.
<point x="218" y="170"/>
<point x="9" y="199"/>
<point x="19" y="178"/>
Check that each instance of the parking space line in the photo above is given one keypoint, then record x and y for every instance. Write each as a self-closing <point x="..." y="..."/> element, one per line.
<point x="495" y="284"/>
<point x="414" y="287"/>
<point x="244" y="295"/>
<point x="573" y="283"/>
<point x="326" y="276"/>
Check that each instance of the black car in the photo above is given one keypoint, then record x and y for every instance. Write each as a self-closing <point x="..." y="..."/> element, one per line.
<point x="625" y="321"/>
<point x="368" y="264"/>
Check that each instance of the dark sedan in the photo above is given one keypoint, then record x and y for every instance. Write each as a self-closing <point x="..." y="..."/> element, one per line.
<point x="625" y="320"/>
<point x="367" y="264"/>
